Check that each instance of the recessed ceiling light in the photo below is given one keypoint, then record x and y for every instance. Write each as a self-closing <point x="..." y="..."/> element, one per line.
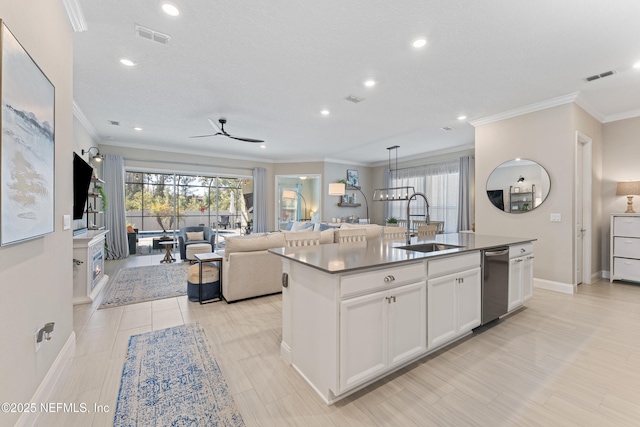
<point x="462" y="117"/>
<point x="263" y="146"/>
<point x="419" y="43"/>
<point x="370" y="83"/>
<point x="636" y="65"/>
<point x="324" y="112"/>
<point x="127" y="62"/>
<point x="170" y="9"/>
<point x="303" y="177"/>
<point x="138" y="128"/>
<point x="518" y="159"/>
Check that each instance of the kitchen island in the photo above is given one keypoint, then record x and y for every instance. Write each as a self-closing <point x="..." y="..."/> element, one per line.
<point x="353" y="313"/>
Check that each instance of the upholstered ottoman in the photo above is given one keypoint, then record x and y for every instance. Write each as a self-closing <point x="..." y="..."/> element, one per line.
<point x="197" y="248"/>
<point x="210" y="282"/>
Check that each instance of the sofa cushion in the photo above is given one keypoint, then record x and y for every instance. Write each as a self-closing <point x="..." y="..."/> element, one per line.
<point x="326" y="236"/>
<point x="324" y="227"/>
<point x="195" y="235"/>
<point x="300" y="225"/>
<point x="374" y="231"/>
<point x="253" y="242"/>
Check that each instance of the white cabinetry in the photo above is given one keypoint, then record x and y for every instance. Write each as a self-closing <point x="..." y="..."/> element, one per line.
<point x="625" y="247"/>
<point x="454" y="304"/>
<point x="520" y="275"/>
<point x="381" y="330"/>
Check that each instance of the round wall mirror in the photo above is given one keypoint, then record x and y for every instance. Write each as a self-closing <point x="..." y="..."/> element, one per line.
<point x="518" y="186"/>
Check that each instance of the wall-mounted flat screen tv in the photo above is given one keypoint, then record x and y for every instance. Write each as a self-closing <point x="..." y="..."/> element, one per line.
<point x="82" y="173"/>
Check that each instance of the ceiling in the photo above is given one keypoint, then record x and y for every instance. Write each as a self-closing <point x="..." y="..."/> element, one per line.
<point x="270" y="67"/>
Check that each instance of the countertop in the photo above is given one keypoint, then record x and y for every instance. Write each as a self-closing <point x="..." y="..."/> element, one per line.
<point x="345" y="257"/>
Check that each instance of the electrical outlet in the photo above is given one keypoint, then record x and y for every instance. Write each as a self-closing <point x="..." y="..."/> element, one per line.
<point x="555" y="217"/>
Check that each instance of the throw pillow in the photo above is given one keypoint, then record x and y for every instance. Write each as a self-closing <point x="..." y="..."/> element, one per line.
<point x="326" y="226"/>
<point x="289" y="226"/>
<point x="195" y="235"/>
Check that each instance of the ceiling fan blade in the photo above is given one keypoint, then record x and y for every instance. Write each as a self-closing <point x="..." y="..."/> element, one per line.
<point x="216" y="127"/>
<point x="246" y="139"/>
<point x="204" y="136"/>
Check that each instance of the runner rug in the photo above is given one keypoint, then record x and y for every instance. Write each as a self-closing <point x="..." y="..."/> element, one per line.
<point x="139" y="284"/>
<point x="170" y="378"/>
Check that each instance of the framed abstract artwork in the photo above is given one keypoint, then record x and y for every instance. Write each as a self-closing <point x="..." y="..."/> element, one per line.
<point x="352" y="178"/>
<point x="27" y="145"/>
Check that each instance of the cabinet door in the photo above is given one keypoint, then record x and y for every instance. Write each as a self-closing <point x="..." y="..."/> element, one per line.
<point x="468" y="296"/>
<point x="441" y="312"/>
<point x="407" y="322"/>
<point x="364" y="339"/>
<point x="527" y="278"/>
<point x="515" y="282"/>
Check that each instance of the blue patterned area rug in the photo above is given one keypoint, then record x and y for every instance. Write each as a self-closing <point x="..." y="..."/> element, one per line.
<point x="170" y="378"/>
<point x="139" y="284"/>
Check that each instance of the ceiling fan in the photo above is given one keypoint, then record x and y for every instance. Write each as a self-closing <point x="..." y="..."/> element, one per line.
<point x="220" y="131"/>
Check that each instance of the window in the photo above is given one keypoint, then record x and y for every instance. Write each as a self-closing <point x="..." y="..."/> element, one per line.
<point x="160" y="202"/>
<point x="439" y="183"/>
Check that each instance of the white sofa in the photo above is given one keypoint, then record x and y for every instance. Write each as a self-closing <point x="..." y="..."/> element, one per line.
<point x="249" y="270"/>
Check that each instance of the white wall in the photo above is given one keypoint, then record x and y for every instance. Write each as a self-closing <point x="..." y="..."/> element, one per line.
<point x="548" y="138"/>
<point x="36" y="276"/>
<point x="620" y="159"/>
<point x="333" y="172"/>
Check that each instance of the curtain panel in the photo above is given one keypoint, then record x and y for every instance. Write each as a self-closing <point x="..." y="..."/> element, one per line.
<point x="439" y="182"/>
<point x="115" y="215"/>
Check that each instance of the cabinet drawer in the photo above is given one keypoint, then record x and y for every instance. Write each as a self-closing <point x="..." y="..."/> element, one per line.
<point x="627" y="247"/>
<point x="452" y="264"/>
<point x="628" y="226"/>
<point x="516" y="251"/>
<point x="356" y="284"/>
<point x="626" y="268"/>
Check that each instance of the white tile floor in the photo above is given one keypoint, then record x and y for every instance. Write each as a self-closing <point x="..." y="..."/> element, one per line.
<point x="569" y="360"/>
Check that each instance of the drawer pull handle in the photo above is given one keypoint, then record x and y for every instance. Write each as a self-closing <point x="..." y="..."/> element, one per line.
<point x="523" y="250"/>
<point x="389" y="279"/>
<point x="285" y="280"/>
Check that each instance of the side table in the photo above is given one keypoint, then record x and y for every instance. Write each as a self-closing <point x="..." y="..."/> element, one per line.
<point x="209" y="257"/>
<point x="168" y="245"/>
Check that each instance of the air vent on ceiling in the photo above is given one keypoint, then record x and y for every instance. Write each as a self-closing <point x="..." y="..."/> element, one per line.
<point x="600" y="76"/>
<point x="113" y="122"/>
<point x="149" y="34"/>
<point x="446" y="128"/>
<point x="354" y="99"/>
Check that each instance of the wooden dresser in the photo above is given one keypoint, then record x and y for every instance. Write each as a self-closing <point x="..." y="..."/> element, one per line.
<point x="625" y="247"/>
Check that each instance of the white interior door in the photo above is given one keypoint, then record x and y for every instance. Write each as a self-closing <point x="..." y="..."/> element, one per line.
<point x="583" y="214"/>
<point x="579" y="226"/>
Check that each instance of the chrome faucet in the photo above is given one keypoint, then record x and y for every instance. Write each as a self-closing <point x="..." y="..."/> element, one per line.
<point x="427" y="218"/>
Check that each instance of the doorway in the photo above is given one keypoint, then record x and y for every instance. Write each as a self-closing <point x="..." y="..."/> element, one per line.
<point x="583" y="216"/>
<point x="297" y="199"/>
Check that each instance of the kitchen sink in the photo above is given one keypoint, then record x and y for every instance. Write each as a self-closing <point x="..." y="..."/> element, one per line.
<point x="429" y="247"/>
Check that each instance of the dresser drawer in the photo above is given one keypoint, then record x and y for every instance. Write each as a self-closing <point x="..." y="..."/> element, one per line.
<point x="359" y="284"/>
<point x="628" y="226"/>
<point x="626" y="268"/>
<point x="627" y="247"/>
<point x="453" y="264"/>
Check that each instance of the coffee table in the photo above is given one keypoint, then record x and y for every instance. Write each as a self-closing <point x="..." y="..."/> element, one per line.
<point x="168" y="245"/>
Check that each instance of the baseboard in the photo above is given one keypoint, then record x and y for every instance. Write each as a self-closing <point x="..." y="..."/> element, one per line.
<point x="285" y="352"/>
<point x="47" y="386"/>
<point x="565" y="288"/>
<point x="605" y="274"/>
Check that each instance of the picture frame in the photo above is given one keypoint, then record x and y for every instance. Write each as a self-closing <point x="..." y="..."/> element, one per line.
<point x="352" y="178"/>
<point x="516" y="189"/>
<point x="27" y="145"/>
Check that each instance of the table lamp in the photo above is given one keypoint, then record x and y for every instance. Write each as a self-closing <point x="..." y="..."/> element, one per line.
<point x="629" y="189"/>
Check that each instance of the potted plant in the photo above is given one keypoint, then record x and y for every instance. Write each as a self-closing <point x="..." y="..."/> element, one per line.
<point x="392" y="221"/>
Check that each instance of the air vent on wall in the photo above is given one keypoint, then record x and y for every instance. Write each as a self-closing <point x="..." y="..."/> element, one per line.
<point x="600" y="76"/>
<point x="354" y="99"/>
<point x="113" y="122"/>
<point x="149" y="34"/>
<point x="446" y="128"/>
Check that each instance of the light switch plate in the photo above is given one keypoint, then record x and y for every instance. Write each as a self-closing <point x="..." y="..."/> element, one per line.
<point x="66" y="222"/>
<point x="555" y="217"/>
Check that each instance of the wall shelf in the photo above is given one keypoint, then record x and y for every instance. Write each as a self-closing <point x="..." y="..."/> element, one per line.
<point x="349" y="205"/>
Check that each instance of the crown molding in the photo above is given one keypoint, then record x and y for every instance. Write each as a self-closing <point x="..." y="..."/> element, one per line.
<point x="75" y="14"/>
<point x="621" y="116"/>
<point x="593" y="111"/>
<point x="543" y="105"/>
<point x="77" y="112"/>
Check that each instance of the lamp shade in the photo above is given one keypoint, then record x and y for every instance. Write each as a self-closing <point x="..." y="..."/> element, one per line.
<point x="337" y="189"/>
<point x="289" y="194"/>
<point x="628" y="188"/>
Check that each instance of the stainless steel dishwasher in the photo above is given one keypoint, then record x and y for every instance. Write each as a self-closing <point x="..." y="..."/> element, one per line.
<point x="495" y="283"/>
